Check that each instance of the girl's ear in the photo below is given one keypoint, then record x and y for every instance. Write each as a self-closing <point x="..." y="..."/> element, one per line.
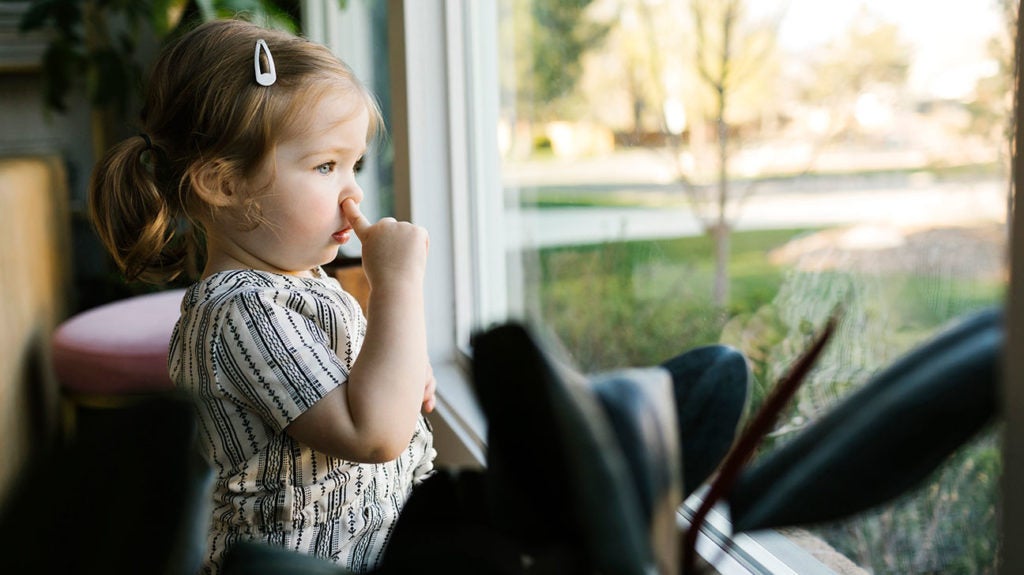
<point x="211" y="183"/>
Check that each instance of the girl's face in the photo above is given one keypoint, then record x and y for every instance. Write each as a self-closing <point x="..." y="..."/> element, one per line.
<point x="300" y="187"/>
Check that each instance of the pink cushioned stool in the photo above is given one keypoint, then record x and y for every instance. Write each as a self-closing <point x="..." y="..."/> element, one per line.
<point x="117" y="349"/>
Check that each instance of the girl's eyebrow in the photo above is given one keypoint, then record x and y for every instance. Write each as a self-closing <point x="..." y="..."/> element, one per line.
<point x="336" y="150"/>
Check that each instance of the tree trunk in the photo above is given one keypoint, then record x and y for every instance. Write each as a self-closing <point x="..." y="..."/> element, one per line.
<point x="720" y="235"/>
<point x="721" y="231"/>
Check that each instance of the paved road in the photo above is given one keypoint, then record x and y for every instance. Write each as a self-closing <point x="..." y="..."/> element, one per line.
<point x="910" y="204"/>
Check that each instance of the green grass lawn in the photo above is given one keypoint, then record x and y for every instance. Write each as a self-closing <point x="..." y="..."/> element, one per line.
<point x="631" y="302"/>
<point x="638" y="303"/>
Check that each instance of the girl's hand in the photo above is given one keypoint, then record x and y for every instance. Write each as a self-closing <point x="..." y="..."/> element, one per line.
<point x="428" y="391"/>
<point x="392" y="250"/>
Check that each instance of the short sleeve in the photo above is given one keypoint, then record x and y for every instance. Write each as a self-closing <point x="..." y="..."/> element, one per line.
<point x="279" y="352"/>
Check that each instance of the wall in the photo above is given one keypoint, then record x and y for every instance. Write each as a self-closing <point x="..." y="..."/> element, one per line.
<point x="33" y="286"/>
<point x="43" y="156"/>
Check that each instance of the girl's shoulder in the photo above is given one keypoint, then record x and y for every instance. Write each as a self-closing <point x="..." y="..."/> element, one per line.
<point x="231" y="287"/>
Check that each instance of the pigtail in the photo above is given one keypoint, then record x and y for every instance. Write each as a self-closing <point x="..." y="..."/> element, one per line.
<point x="141" y="224"/>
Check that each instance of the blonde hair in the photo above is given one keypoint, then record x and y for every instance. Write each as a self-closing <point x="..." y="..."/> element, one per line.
<point x="204" y="113"/>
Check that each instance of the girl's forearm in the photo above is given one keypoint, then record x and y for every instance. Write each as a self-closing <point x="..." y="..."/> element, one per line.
<point x="385" y="387"/>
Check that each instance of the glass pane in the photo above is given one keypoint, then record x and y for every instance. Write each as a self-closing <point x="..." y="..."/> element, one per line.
<point x="685" y="172"/>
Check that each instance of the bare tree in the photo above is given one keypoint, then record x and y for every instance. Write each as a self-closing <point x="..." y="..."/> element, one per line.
<point x="735" y="65"/>
<point x="730" y="55"/>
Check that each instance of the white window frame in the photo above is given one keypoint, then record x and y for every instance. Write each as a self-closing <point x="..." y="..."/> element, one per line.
<point x="432" y="183"/>
<point x="443" y="156"/>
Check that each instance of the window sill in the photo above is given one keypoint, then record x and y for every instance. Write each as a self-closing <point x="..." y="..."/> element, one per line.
<point x="764" y="552"/>
<point x="460" y="428"/>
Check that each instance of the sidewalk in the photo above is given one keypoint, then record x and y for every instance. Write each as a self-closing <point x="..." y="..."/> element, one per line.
<point x="928" y="205"/>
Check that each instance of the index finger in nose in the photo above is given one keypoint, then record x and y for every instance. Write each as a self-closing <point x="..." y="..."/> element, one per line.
<point x="355" y="216"/>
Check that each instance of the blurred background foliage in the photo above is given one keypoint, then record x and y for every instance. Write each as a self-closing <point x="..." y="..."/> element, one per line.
<point x="103" y="46"/>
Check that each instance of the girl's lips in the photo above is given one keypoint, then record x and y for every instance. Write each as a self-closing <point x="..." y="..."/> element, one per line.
<point x="342" y="236"/>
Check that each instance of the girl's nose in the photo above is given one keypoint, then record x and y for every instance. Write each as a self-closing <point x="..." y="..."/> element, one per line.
<point x="354" y="191"/>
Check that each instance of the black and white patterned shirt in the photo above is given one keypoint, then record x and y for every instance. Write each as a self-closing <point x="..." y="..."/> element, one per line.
<point x="256" y="350"/>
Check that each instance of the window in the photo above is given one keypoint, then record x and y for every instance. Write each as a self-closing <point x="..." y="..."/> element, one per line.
<point x="671" y="193"/>
<point x="569" y="159"/>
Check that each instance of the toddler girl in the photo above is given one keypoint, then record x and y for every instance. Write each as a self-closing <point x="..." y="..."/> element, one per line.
<point x="309" y="412"/>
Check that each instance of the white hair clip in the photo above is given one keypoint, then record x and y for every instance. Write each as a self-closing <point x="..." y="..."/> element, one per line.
<point x="270" y="76"/>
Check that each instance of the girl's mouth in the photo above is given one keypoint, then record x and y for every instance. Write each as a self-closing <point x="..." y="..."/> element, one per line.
<point x="342" y="236"/>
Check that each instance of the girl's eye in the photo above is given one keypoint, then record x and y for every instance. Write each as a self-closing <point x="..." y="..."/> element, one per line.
<point x="325" y="168"/>
<point x="358" y="167"/>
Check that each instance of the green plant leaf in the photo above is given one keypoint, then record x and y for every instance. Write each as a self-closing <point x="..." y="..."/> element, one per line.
<point x="207" y="9"/>
<point x="166" y="15"/>
<point x="36" y="15"/>
<point x="61" y="63"/>
<point x="64" y="15"/>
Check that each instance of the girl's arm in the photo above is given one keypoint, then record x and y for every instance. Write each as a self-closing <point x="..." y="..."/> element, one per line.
<point x="371" y="418"/>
